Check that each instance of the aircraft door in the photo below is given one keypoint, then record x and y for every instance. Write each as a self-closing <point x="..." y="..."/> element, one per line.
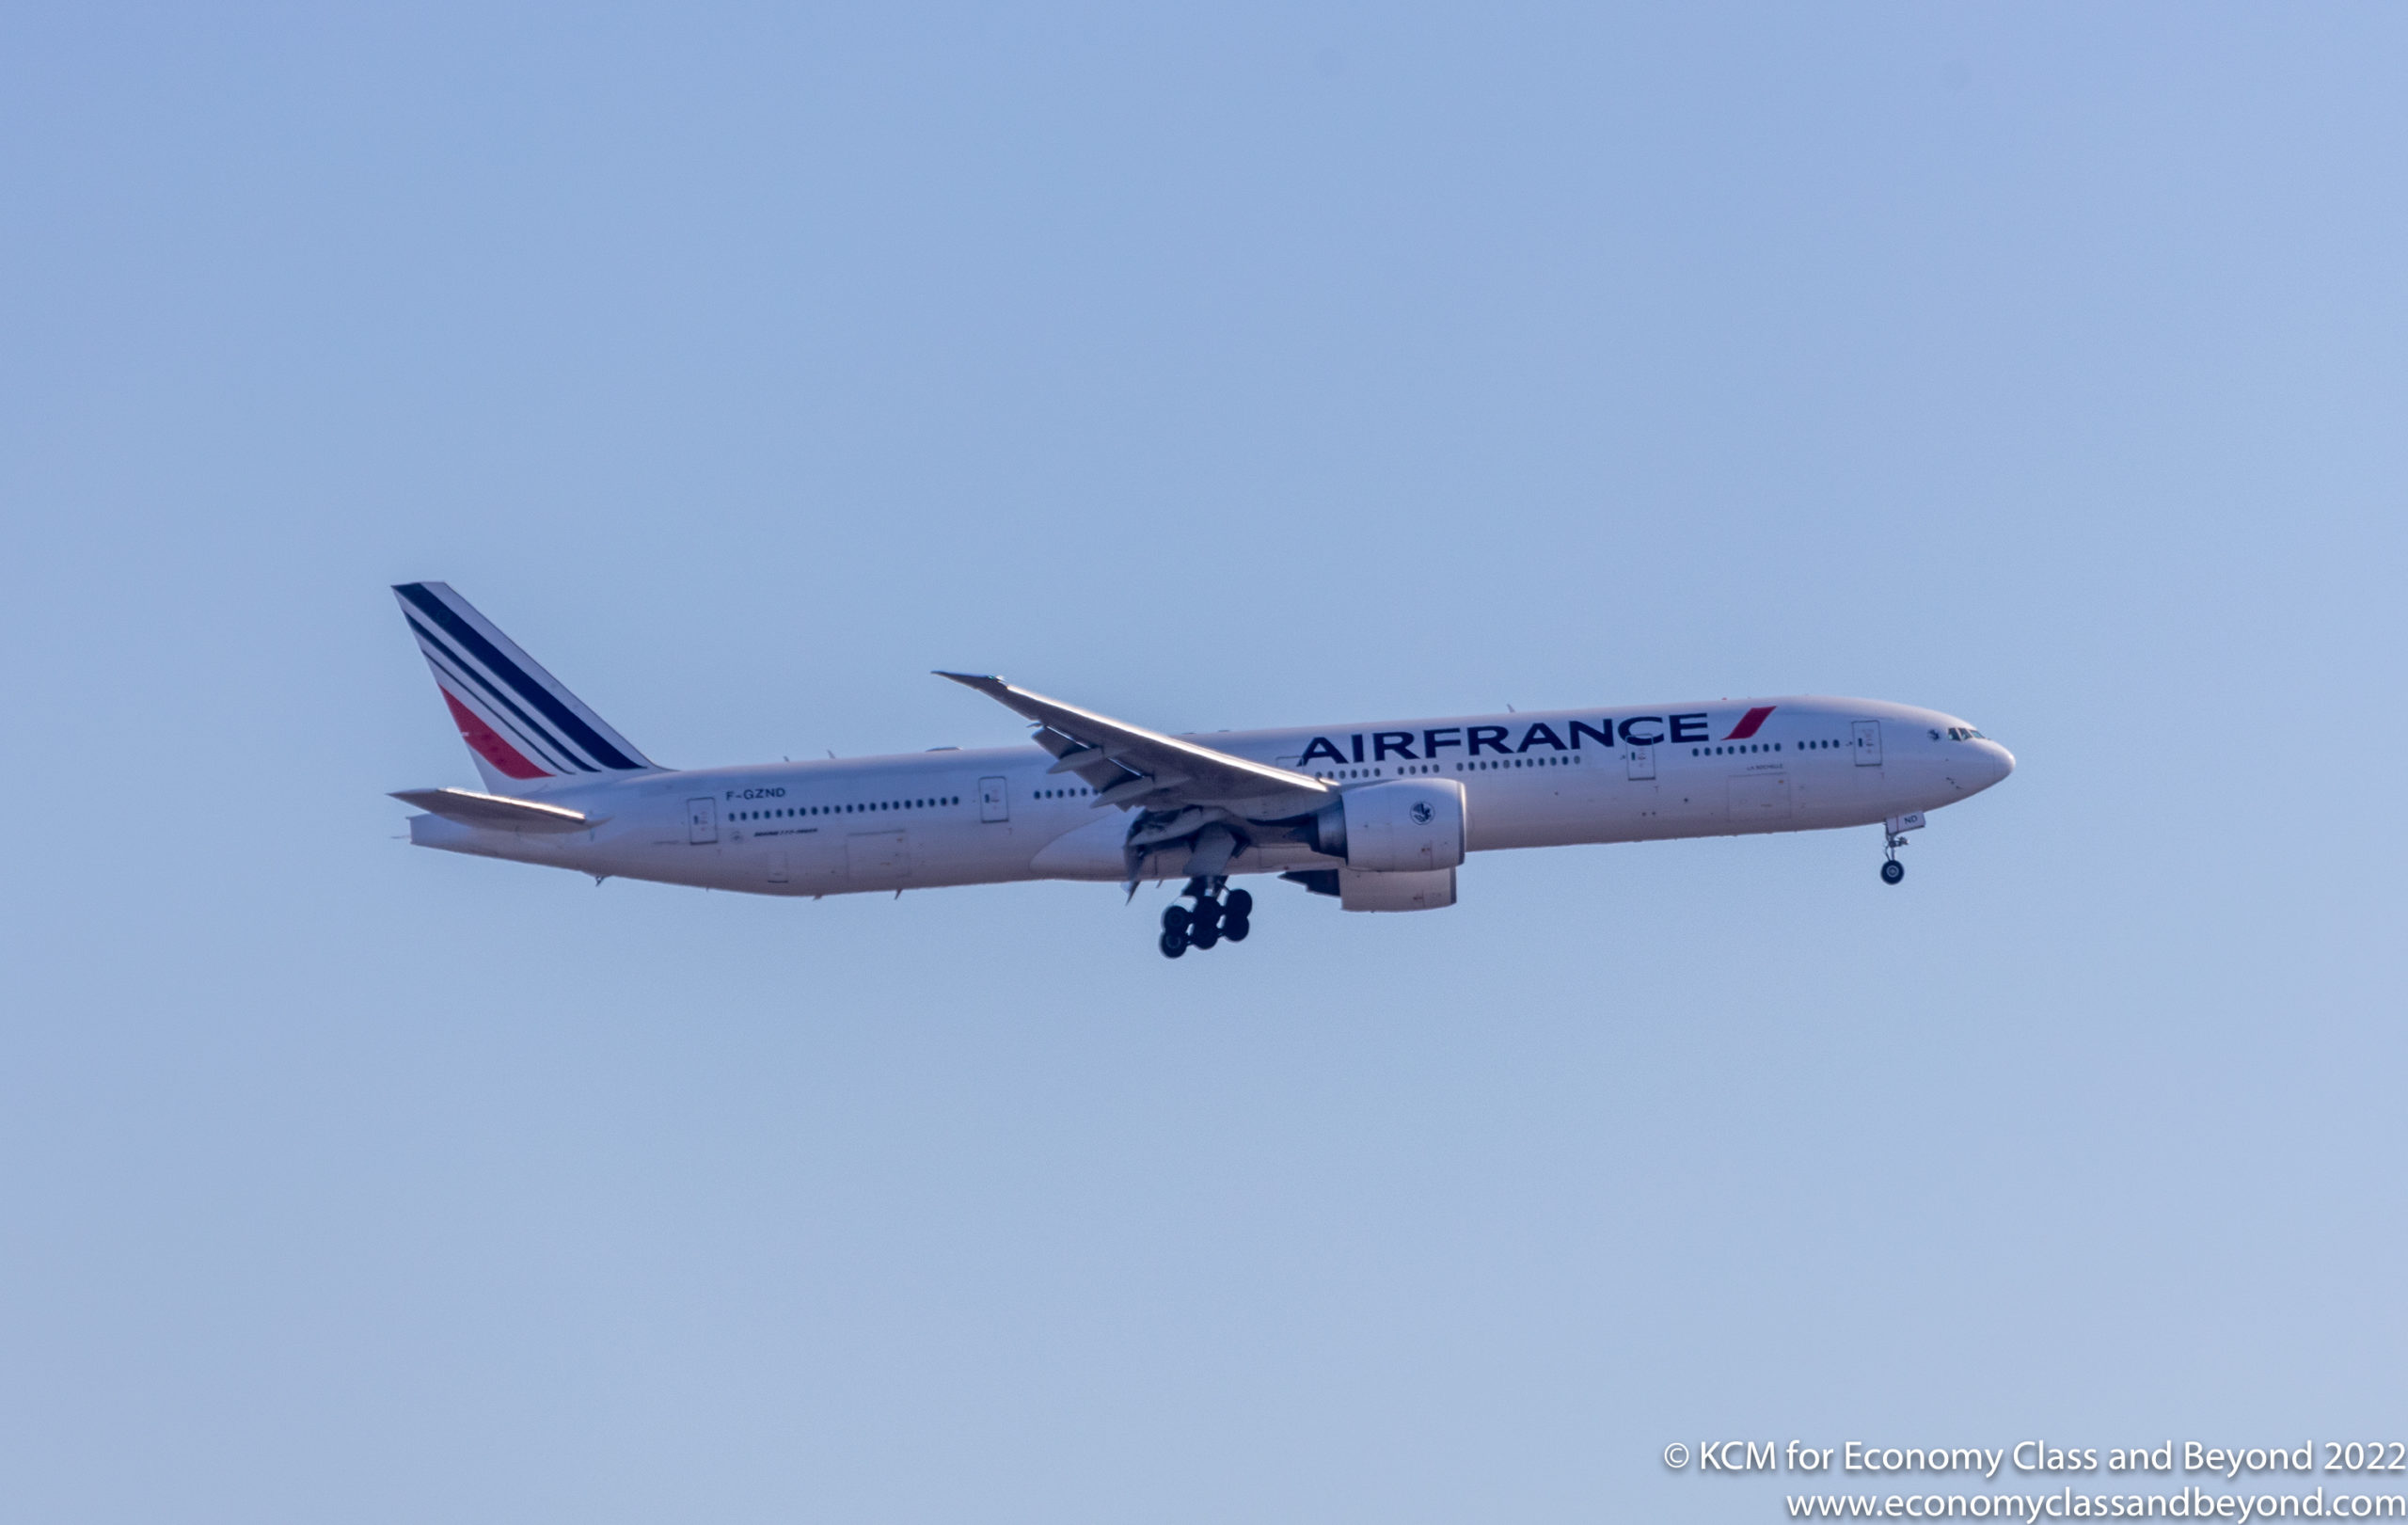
<point x="1643" y="762"/>
<point x="1868" y="744"/>
<point x="994" y="803"/>
<point x="702" y="820"/>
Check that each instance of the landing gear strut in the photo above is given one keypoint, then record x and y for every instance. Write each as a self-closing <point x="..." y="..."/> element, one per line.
<point x="1891" y="869"/>
<point x="1213" y="917"/>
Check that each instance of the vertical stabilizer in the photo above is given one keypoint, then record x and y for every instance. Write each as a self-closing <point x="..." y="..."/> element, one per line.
<point x="518" y="720"/>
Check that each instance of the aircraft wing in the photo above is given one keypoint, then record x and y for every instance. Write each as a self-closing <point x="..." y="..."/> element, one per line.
<point x="497" y="811"/>
<point x="1128" y="765"/>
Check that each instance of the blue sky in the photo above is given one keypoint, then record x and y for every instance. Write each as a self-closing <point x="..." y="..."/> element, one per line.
<point x="2044" y="365"/>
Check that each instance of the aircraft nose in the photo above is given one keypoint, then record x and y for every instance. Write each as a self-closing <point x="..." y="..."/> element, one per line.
<point x="2002" y="761"/>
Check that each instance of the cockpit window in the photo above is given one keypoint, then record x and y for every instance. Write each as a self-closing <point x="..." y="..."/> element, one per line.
<point x="1965" y="732"/>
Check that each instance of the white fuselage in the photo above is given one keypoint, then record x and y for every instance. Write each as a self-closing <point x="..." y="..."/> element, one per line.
<point x="934" y="818"/>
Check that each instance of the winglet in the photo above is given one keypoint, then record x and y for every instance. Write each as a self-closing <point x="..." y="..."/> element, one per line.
<point x="1001" y="693"/>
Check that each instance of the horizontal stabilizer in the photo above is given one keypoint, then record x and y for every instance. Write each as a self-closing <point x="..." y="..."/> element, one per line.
<point x="496" y="812"/>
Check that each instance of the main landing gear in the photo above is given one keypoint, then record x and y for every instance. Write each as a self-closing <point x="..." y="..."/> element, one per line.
<point x="1210" y="921"/>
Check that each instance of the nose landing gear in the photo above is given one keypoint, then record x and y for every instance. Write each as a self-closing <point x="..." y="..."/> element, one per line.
<point x="1894" y="836"/>
<point x="1211" y="920"/>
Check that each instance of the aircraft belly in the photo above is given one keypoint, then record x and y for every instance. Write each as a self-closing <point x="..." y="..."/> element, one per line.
<point x="1759" y="802"/>
<point x="1088" y="850"/>
<point x="1629" y="810"/>
<point x="1517" y="814"/>
<point x="817" y="862"/>
<point x="878" y="860"/>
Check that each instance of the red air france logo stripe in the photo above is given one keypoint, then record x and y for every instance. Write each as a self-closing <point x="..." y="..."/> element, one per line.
<point x="488" y="745"/>
<point x="1750" y="722"/>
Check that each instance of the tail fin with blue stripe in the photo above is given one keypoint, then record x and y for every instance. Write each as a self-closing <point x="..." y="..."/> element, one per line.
<point x="518" y="720"/>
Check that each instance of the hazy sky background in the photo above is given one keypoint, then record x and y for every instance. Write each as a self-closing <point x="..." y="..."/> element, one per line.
<point x="1286" y="364"/>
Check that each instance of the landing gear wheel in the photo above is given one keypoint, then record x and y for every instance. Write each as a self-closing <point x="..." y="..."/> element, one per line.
<point x="1215" y="916"/>
<point x="1893" y="871"/>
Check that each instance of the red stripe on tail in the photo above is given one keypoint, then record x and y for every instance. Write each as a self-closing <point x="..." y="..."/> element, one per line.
<point x="492" y="748"/>
<point x="1749" y="723"/>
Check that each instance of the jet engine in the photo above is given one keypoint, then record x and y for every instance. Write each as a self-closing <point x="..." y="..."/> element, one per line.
<point x="1407" y="825"/>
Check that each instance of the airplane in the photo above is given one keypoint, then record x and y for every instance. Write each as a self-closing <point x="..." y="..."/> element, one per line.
<point x="1379" y="815"/>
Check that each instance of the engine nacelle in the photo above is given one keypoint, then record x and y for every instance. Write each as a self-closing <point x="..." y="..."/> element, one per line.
<point x="1392" y="891"/>
<point x="1407" y="826"/>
